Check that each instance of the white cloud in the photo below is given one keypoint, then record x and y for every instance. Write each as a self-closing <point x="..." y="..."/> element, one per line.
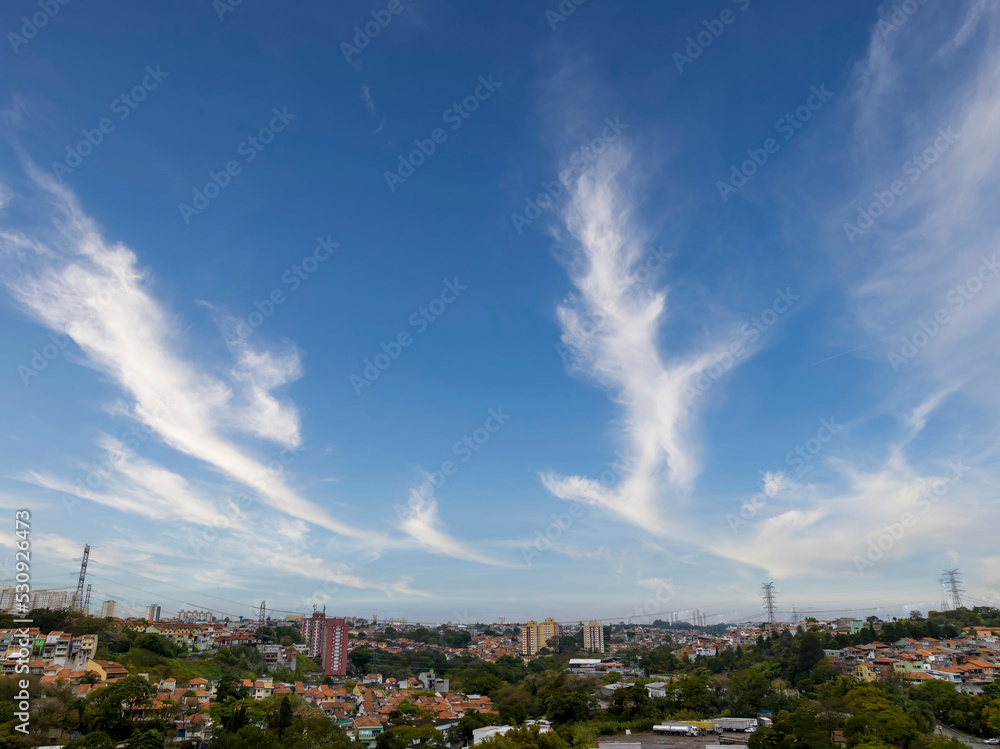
<point x="73" y="281"/>
<point x="621" y="353"/>
<point x="419" y="520"/>
<point x="908" y="267"/>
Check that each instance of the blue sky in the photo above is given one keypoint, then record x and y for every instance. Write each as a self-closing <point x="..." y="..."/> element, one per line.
<point x="448" y="312"/>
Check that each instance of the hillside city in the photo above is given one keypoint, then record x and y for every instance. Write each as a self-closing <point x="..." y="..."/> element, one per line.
<point x="529" y="374"/>
<point x="192" y="680"/>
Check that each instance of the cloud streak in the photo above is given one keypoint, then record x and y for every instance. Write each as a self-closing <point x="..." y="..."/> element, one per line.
<point x="622" y="355"/>
<point x="421" y="522"/>
<point x="75" y="282"/>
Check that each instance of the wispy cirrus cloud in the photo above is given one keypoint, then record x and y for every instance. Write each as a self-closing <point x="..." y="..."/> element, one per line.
<point x="623" y="355"/>
<point x="906" y="279"/>
<point x="74" y="281"/>
<point x="64" y="274"/>
<point x="938" y="232"/>
<point x="421" y="522"/>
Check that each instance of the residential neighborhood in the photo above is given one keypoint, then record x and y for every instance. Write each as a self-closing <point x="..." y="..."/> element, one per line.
<point x="378" y="690"/>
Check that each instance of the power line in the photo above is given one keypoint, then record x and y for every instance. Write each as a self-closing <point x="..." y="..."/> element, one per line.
<point x="177" y="600"/>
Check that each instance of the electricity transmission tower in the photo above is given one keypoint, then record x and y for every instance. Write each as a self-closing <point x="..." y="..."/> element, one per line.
<point x="78" y="598"/>
<point x="86" y="600"/>
<point x="769" y="601"/>
<point x="261" y="621"/>
<point x="952" y="581"/>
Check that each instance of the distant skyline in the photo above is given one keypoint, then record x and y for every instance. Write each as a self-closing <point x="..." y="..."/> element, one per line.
<point x="447" y="313"/>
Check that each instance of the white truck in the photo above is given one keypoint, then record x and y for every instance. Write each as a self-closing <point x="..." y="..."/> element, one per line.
<point x="676" y="729"/>
<point x="747" y="725"/>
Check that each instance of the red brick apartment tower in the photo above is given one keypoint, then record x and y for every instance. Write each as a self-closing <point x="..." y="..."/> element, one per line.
<point x="326" y="639"/>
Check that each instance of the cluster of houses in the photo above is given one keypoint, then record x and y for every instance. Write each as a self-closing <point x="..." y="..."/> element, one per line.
<point x="970" y="662"/>
<point x="364" y="712"/>
<point x="59" y="650"/>
<point x="484" y="647"/>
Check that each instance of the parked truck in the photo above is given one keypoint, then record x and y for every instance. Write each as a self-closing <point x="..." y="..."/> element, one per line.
<point x="706" y="726"/>
<point x="677" y="729"/>
<point x="736" y="724"/>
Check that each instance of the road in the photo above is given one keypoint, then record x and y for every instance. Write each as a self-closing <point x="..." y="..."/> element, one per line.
<point x="963" y="737"/>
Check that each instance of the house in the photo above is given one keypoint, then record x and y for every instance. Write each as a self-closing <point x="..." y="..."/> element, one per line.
<point x="657" y="688"/>
<point x="262" y="689"/>
<point x="195" y="728"/>
<point x="480" y="735"/>
<point x="367" y="730"/>
<point x="866" y="672"/>
<point x="107" y="670"/>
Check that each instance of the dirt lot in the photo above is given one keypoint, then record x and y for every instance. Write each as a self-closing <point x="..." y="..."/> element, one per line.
<point x="652" y="741"/>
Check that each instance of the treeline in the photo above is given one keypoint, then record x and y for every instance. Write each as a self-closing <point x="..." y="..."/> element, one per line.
<point x="881" y="714"/>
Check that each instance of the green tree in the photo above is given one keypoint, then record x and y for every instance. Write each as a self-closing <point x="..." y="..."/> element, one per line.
<point x="402" y="737"/>
<point x="230" y="687"/>
<point x="991" y="716"/>
<point x="108" y="707"/>
<point x="361" y="658"/>
<point x="283" y="720"/>
<point x="248" y="737"/>
<point x="95" y="740"/>
<point x="151" y="739"/>
<point x="748" y="691"/>
<point x="525" y="738"/>
<point x="159" y="645"/>
<point x="875" y="716"/>
<point x="233" y="714"/>
<point x="473" y="719"/>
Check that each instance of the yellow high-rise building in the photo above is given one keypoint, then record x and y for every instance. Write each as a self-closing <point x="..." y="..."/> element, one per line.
<point x="535" y="636"/>
<point x="593" y="638"/>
